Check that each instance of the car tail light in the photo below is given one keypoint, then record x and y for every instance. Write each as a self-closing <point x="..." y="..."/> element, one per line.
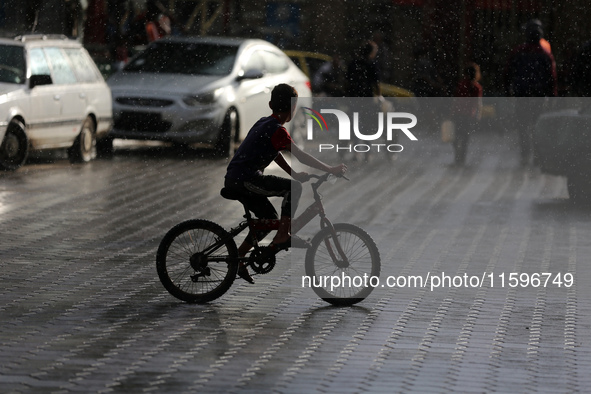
<point x="309" y="85"/>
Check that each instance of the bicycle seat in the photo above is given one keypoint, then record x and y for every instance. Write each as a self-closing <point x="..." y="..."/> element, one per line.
<point x="231" y="194"/>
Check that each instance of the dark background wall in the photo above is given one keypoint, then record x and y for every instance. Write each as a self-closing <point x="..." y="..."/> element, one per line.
<point x="454" y="31"/>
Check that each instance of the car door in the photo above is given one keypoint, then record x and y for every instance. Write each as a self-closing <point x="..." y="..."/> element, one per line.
<point x="43" y="121"/>
<point x="92" y="86"/>
<point x="72" y="97"/>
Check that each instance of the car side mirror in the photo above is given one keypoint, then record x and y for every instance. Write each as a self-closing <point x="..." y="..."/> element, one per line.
<point x="251" y="74"/>
<point x="39" y="80"/>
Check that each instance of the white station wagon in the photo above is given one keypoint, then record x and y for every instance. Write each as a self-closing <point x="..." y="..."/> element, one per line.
<point x="52" y="95"/>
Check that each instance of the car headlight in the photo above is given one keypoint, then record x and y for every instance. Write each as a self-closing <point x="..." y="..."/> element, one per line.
<point x="203" y="98"/>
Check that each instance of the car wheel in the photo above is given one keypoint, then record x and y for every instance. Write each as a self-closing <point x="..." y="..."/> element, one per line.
<point x="104" y="147"/>
<point x="84" y="148"/>
<point x="15" y="147"/>
<point x="228" y="139"/>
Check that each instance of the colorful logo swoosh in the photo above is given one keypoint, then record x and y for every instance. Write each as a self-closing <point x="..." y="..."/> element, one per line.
<point x="316" y="115"/>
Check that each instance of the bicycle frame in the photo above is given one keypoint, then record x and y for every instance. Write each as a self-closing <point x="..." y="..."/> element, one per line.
<point x="313" y="210"/>
<point x="198" y="260"/>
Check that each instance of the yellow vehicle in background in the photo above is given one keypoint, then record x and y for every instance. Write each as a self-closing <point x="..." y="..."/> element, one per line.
<point x="310" y="62"/>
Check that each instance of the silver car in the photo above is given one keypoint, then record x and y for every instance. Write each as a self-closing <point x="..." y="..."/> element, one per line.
<point x="51" y="96"/>
<point x="200" y="90"/>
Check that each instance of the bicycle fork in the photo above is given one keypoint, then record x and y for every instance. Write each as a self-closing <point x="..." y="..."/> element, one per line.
<point x="335" y="249"/>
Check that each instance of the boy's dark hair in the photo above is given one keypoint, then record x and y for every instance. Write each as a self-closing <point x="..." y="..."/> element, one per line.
<point x="281" y="97"/>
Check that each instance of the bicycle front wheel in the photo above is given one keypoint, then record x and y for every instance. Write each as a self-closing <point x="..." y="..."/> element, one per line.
<point x="342" y="265"/>
<point x="197" y="261"/>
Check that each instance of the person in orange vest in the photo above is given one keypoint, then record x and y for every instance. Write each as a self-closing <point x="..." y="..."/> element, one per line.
<point x="546" y="45"/>
<point x="158" y="24"/>
<point x="530" y="73"/>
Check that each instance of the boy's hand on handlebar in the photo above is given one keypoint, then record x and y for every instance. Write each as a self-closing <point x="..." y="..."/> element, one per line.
<point x="339" y="170"/>
<point x="300" y="176"/>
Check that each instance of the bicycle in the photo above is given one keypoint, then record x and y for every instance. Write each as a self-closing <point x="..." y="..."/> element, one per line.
<point x="197" y="260"/>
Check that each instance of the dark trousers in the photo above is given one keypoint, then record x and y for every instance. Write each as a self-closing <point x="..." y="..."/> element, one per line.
<point x="463" y="128"/>
<point x="256" y="193"/>
<point x="527" y="109"/>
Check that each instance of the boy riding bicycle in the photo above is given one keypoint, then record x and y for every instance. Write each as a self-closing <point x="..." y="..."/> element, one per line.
<point x="263" y="145"/>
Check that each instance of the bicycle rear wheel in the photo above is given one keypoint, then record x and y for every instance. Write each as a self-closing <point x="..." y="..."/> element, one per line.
<point x="324" y="264"/>
<point x="197" y="261"/>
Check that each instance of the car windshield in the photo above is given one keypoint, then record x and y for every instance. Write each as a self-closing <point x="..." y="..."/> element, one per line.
<point x="12" y="64"/>
<point x="185" y="58"/>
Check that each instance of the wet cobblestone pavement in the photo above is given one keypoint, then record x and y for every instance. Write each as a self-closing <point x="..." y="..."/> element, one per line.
<point x="83" y="311"/>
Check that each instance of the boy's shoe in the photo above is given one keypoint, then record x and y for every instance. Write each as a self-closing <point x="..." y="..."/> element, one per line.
<point x="244" y="274"/>
<point x="300" y="243"/>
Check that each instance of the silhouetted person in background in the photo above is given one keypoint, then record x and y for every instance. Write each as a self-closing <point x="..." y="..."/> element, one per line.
<point x="95" y="32"/>
<point x="383" y="58"/>
<point x="467" y="110"/>
<point x="72" y="17"/>
<point x="363" y="79"/>
<point x="329" y="80"/>
<point x="118" y="31"/>
<point x="530" y="72"/>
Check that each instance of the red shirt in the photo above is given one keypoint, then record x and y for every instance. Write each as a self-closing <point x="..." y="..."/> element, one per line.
<point x="469" y="88"/>
<point x="260" y="147"/>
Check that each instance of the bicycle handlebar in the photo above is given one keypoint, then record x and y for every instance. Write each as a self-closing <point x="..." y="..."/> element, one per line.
<point x="325" y="177"/>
